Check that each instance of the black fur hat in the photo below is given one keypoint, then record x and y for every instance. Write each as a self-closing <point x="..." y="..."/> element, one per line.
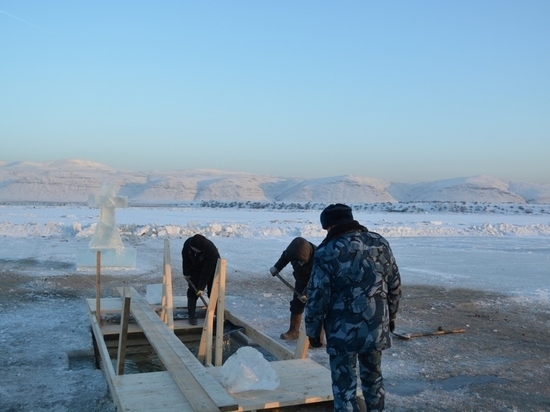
<point x="335" y="214"/>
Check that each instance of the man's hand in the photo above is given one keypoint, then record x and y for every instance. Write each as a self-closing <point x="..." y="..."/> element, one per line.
<point x="273" y="271"/>
<point x="199" y="293"/>
<point x="392" y="325"/>
<point x="315" y="342"/>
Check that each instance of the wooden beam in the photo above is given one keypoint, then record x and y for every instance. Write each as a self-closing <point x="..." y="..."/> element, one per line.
<point x="123" y="336"/>
<point x="302" y="345"/>
<point x="167" y="305"/>
<point x="98" y="286"/>
<point x="276" y="349"/>
<point x="202" y="391"/>
<point x="205" y="346"/>
<point x="106" y="358"/>
<point x="218" y="359"/>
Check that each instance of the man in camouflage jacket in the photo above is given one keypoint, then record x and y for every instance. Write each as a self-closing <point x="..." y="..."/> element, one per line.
<point x="354" y="293"/>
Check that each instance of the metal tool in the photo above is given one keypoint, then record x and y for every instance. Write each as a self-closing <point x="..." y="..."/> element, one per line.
<point x="421" y="334"/>
<point x="300" y="296"/>
<point x="188" y="279"/>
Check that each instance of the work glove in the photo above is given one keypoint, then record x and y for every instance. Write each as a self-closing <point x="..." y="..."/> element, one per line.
<point x="199" y="293"/>
<point x="315" y="342"/>
<point x="392" y="325"/>
<point x="273" y="271"/>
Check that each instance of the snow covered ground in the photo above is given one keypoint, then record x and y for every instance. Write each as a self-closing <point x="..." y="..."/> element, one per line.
<point x="498" y="252"/>
<point x="503" y="252"/>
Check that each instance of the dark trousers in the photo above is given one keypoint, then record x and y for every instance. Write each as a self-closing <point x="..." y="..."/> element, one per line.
<point x="344" y="381"/>
<point x="296" y="305"/>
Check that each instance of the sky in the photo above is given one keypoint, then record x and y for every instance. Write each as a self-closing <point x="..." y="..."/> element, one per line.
<point x="403" y="91"/>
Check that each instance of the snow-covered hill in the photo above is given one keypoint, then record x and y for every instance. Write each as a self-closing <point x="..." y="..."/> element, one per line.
<point x="74" y="180"/>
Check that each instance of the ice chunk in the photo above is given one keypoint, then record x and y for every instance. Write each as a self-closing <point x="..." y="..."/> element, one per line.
<point x="248" y="370"/>
<point x="154" y="294"/>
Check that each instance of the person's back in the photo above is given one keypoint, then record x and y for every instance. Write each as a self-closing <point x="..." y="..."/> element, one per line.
<point x="359" y="273"/>
<point x="354" y="293"/>
<point x="299" y="253"/>
<point x="199" y="260"/>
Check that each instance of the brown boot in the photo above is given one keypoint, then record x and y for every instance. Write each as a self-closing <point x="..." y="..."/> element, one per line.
<point x="294" y="329"/>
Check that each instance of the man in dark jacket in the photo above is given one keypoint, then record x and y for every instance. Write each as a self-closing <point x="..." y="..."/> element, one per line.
<point x="199" y="259"/>
<point x="299" y="253"/>
<point x="354" y="293"/>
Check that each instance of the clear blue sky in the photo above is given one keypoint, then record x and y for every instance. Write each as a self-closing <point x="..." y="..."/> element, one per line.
<point x="404" y="91"/>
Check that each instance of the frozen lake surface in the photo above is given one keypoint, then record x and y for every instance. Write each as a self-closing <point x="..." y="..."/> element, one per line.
<point x="507" y="253"/>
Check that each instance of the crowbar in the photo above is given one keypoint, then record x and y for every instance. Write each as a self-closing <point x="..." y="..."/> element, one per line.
<point x="303" y="298"/>
<point x="421" y="334"/>
<point x="188" y="279"/>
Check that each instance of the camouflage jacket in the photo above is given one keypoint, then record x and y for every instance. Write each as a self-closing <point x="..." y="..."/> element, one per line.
<point x="354" y="290"/>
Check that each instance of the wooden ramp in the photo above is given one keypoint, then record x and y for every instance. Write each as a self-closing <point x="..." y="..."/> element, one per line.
<point x="187" y="384"/>
<point x="303" y="381"/>
<point x="157" y="391"/>
<point x="200" y="390"/>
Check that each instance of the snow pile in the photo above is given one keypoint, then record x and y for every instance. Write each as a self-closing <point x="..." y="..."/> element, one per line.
<point x="248" y="370"/>
<point x="79" y="222"/>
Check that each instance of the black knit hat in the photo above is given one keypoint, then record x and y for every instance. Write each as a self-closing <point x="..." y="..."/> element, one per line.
<point x="198" y="242"/>
<point x="335" y="214"/>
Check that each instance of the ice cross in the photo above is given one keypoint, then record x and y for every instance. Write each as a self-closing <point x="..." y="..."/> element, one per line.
<point x="106" y="235"/>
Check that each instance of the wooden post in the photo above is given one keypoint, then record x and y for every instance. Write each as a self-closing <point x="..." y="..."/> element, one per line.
<point x="123" y="336"/>
<point x="218" y="358"/>
<point x="167" y="313"/>
<point x="302" y="345"/>
<point x="204" y="354"/>
<point x="98" y="287"/>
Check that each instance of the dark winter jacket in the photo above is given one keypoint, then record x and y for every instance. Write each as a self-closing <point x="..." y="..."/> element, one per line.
<point x="199" y="264"/>
<point x="354" y="290"/>
<point x="299" y="253"/>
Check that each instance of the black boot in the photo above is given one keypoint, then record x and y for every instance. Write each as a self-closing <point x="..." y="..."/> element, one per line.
<point x="191" y="309"/>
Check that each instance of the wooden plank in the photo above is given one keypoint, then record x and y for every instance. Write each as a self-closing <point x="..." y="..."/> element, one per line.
<point x="180" y="326"/>
<point x="157" y="335"/>
<point x="167" y="311"/>
<point x="303" y="381"/>
<point x="113" y="305"/>
<point x="204" y="354"/>
<point x="275" y="348"/>
<point x="98" y="287"/>
<point x="302" y="345"/>
<point x="154" y="391"/>
<point x="218" y="359"/>
<point x="202" y="392"/>
<point x="106" y="359"/>
<point x="123" y="336"/>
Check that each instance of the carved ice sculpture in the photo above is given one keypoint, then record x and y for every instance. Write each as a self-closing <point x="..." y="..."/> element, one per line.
<point x="106" y="237"/>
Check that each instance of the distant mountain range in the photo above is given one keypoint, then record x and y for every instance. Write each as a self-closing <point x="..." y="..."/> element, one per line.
<point x="74" y="180"/>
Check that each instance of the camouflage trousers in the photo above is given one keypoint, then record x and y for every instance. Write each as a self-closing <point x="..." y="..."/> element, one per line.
<point x="344" y="381"/>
